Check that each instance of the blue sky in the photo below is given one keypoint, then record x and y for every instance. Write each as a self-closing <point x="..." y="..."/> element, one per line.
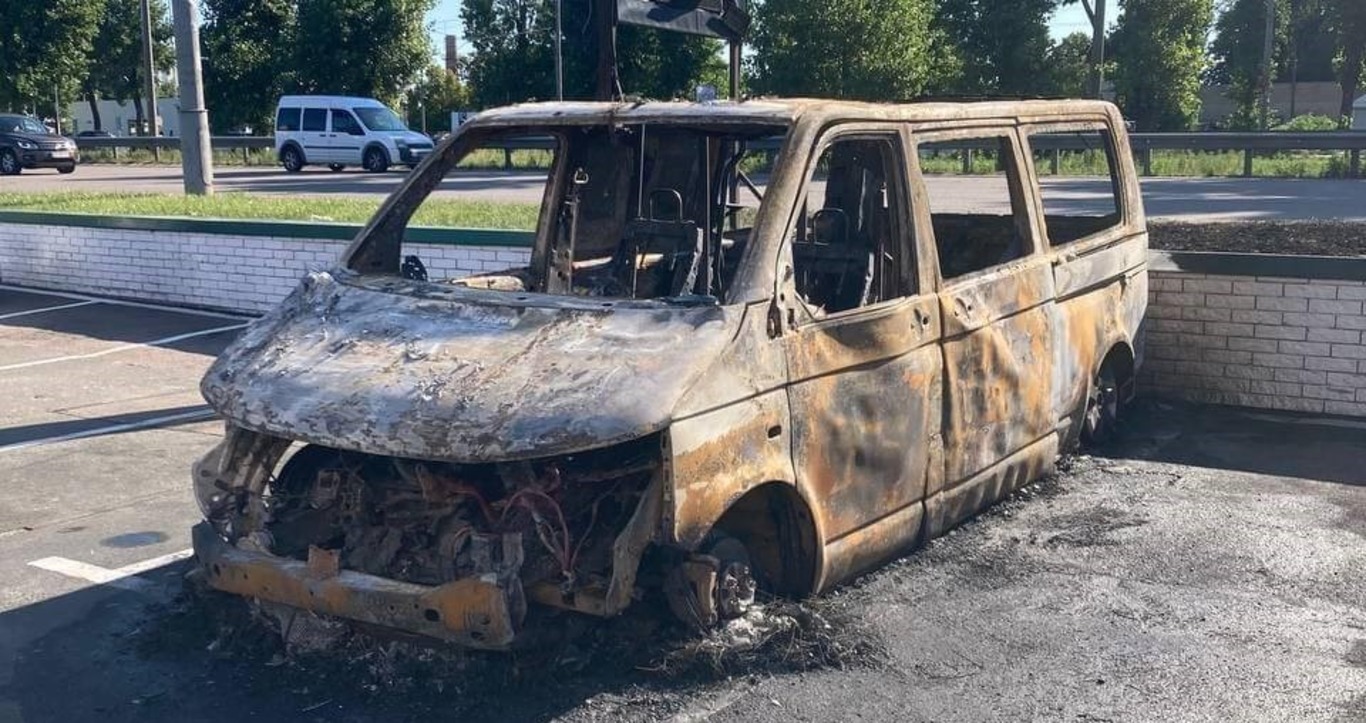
<point x="445" y="18"/>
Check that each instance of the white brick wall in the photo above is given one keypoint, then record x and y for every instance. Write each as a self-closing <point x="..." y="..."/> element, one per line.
<point x="219" y="271"/>
<point x="1268" y="342"/>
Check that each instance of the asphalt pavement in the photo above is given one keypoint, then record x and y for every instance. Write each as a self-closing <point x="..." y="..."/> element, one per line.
<point x="1188" y="199"/>
<point x="1207" y="567"/>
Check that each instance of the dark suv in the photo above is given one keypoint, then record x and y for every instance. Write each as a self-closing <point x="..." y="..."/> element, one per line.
<point x="26" y="143"/>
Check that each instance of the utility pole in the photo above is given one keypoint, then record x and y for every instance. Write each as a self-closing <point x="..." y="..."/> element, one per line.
<point x="605" y="17"/>
<point x="195" y="151"/>
<point x="1268" y="49"/>
<point x="149" y="67"/>
<point x="559" y="50"/>
<point x="1096" y="15"/>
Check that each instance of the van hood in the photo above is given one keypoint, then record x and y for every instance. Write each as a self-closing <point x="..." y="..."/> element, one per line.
<point x="427" y="371"/>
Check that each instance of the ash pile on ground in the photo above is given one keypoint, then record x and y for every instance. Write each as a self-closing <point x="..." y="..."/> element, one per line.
<point x="1297" y="238"/>
<point x="333" y="671"/>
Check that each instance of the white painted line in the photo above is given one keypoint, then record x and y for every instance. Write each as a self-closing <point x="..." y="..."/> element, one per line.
<point x="124" y="578"/>
<point x="203" y="414"/>
<point x="124" y="347"/>
<point x="120" y="302"/>
<point x="91" y="573"/>
<point x="46" y="309"/>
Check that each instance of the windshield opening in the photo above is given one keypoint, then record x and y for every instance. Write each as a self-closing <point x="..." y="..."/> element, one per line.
<point x="380" y="119"/>
<point x="659" y="211"/>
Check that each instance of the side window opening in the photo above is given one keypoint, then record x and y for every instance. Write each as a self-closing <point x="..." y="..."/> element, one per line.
<point x="1079" y="183"/>
<point x="344" y="122"/>
<point x="979" y="221"/>
<point x="847" y="252"/>
<point x="315" y="120"/>
<point x="287" y="119"/>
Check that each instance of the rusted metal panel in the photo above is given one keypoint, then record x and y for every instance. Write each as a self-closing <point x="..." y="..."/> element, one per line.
<point x="408" y="370"/>
<point x="866" y="401"/>
<point x="998" y="367"/>
<point x="473" y="612"/>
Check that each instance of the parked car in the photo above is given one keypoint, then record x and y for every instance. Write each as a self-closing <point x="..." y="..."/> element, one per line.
<point x="94" y="134"/>
<point x="26" y="143"/>
<point x="686" y="393"/>
<point x="338" y="131"/>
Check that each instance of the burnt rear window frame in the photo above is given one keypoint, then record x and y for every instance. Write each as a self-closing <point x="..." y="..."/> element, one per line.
<point x="1123" y="210"/>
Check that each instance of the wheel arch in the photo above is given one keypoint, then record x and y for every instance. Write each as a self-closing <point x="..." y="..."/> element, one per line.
<point x="779" y="531"/>
<point x="280" y="155"/>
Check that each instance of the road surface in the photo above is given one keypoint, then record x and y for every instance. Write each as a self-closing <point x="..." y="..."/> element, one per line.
<point x="1188" y="199"/>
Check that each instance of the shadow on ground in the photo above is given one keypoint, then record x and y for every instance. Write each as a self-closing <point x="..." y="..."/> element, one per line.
<point x="1282" y="444"/>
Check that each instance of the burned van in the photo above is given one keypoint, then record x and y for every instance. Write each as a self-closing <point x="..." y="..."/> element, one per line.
<point x="768" y="344"/>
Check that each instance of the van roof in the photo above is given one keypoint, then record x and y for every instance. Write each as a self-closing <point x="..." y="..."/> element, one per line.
<point x="784" y="111"/>
<point x="331" y="99"/>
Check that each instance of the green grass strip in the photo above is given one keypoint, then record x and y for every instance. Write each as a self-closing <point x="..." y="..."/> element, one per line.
<point x="437" y="212"/>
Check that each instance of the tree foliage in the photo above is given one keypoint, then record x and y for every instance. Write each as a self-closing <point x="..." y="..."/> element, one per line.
<point x="371" y="48"/>
<point x="434" y="98"/>
<point x="890" y="50"/>
<point x="247" y="61"/>
<point x="44" y="46"/>
<point x="1069" y="65"/>
<point x="115" y="66"/>
<point x="1004" y="44"/>
<point x="256" y="50"/>
<point x="1159" y="47"/>
<point x="1349" y="23"/>
<point x="1238" y="50"/>
<point x="514" y="61"/>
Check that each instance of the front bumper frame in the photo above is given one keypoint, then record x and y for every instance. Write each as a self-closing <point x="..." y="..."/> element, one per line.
<point x="473" y="612"/>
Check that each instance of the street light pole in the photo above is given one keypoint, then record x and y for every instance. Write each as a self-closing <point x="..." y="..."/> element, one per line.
<point x="149" y="67"/>
<point x="195" y="152"/>
<point x="559" y="49"/>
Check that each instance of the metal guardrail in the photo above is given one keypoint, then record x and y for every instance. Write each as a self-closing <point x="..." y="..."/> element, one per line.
<point x="1350" y="142"/>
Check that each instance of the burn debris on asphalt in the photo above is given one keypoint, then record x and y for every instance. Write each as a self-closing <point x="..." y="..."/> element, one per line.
<point x="274" y="650"/>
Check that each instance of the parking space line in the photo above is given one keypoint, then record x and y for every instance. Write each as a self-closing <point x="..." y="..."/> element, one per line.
<point x="120" y="302"/>
<point x="123" y="578"/>
<point x="125" y="347"/>
<point x="197" y="415"/>
<point x="47" y="309"/>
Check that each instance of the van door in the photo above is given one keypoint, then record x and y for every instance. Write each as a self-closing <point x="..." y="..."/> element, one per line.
<point x="313" y="136"/>
<point x="863" y="356"/>
<point x="347" y="139"/>
<point x="996" y="300"/>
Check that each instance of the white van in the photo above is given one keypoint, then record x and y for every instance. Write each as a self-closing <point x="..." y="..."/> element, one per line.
<point x="338" y="131"/>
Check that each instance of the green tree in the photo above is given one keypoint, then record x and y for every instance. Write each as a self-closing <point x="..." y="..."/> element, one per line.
<point x="115" y="68"/>
<point x="432" y="100"/>
<point x="1349" y="22"/>
<point x="514" y="61"/>
<point x="1069" y="65"/>
<point x="371" y="48"/>
<point x="1004" y="44"/>
<point x="44" y="47"/>
<point x="1159" y="46"/>
<point x="1238" y="49"/>
<point x="890" y="50"/>
<point x="247" y="60"/>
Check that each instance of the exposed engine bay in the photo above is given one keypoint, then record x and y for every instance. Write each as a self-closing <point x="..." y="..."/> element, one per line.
<point x="435" y="548"/>
<point x="429" y="523"/>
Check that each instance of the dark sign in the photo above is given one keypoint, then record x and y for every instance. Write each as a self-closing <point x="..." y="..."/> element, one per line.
<point x="715" y="18"/>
